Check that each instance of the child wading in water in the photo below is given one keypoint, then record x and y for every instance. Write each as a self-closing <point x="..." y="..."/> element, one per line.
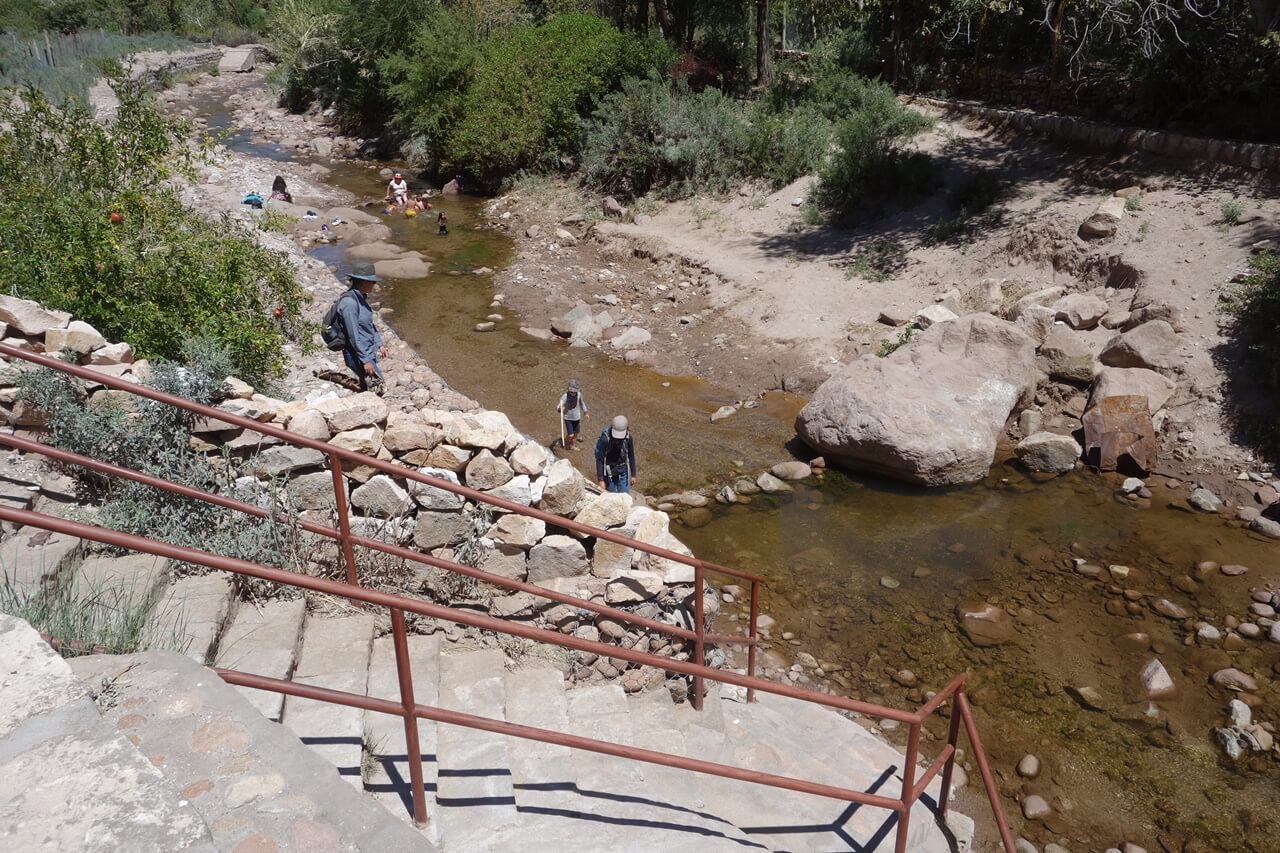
<point x="572" y="408"/>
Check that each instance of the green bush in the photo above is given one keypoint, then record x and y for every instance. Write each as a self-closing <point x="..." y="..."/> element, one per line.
<point x="93" y="225"/>
<point x="1256" y="305"/>
<point x="653" y="134"/>
<point x="869" y="164"/>
<point x="427" y="81"/>
<point x="532" y="85"/>
<point x="156" y="439"/>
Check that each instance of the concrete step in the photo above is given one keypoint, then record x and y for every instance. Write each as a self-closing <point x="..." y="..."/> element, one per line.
<point x="263" y="640"/>
<point x="193" y="612"/>
<point x="335" y="654"/>
<point x="70" y="780"/>
<point x="31" y="559"/>
<point x="475" y="790"/>
<point x="133" y="580"/>
<point x="386" y="767"/>
<point x="256" y="786"/>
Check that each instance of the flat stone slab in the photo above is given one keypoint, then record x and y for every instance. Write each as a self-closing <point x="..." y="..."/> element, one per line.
<point x="263" y="641"/>
<point x="255" y="785"/>
<point x="69" y="780"/>
<point x="132" y="579"/>
<point x="31" y="558"/>
<point x="193" y="611"/>
<point x="335" y="654"/>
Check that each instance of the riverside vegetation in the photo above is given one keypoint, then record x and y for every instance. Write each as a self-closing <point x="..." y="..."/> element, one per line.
<point x="93" y="225"/>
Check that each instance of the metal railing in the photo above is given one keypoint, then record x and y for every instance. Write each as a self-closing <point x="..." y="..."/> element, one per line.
<point x="347" y="540"/>
<point x="409" y="710"/>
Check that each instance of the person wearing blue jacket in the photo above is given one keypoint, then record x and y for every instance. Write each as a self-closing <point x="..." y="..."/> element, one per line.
<point x="364" y="344"/>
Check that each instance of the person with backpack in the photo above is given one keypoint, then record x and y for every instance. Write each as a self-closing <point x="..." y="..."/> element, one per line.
<point x="348" y="326"/>
<point x="572" y="408"/>
<point x="616" y="457"/>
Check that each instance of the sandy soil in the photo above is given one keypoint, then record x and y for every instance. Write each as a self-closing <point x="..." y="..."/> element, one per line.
<point x="790" y="305"/>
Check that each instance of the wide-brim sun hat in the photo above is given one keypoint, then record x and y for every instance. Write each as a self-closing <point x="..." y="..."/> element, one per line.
<point x="574" y="386"/>
<point x="618" y="429"/>
<point x="363" y="272"/>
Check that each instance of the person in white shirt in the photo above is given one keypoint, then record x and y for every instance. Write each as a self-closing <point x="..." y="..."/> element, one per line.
<point x="573" y="408"/>
<point x="398" y="190"/>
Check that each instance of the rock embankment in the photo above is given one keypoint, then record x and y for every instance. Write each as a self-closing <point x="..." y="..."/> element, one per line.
<point x="480" y="449"/>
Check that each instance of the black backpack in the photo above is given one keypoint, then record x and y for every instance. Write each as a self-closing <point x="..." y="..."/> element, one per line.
<point x="334" y="333"/>
<point x="615" y="454"/>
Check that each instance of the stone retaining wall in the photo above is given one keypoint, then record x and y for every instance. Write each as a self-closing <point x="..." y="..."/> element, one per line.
<point x="479" y="449"/>
<point x="1256" y="156"/>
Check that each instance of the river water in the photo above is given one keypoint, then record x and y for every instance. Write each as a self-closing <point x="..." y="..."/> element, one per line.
<point x="867" y="574"/>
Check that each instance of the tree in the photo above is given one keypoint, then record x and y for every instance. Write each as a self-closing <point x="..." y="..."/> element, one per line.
<point x="762" y="42"/>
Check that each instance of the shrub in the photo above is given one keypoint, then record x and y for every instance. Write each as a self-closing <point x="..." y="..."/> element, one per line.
<point x="1256" y="305"/>
<point x="426" y="82"/>
<point x="156" y="439"/>
<point x="1231" y="212"/>
<point x="84" y="619"/>
<point x="869" y="164"/>
<point x="789" y="144"/>
<point x="531" y="86"/>
<point x="653" y="134"/>
<point x="93" y="225"/>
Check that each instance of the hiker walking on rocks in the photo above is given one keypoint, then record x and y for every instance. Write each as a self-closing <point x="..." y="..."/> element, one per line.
<point x="616" y="457"/>
<point x="572" y="408"/>
<point x="361" y="343"/>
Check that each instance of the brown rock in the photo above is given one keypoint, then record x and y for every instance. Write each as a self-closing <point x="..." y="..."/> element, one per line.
<point x="985" y="624"/>
<point x="1119" y="429"/>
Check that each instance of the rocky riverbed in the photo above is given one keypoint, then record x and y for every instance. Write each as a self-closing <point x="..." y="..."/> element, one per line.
<point x="1105" y="621"/>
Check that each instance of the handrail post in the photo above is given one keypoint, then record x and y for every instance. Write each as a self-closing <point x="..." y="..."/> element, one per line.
<point x="988" y="780"/>
<point x="699" y="608"/>
<point x="953" y="739"/>
<point x="908" y="785"/>
<point x="753" y="633"/>
<point x="344" y="520"/>
<point x="413" y="748"/>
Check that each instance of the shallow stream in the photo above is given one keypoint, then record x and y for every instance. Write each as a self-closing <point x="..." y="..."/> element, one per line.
<point x="866" y="574"/>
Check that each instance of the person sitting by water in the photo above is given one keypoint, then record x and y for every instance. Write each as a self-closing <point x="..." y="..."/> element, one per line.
<point x="398" y="190"/>
<point x="616" y="457"/>
<point x="280" y="190"/>
<point x="419" y="203"/>
<point x="572" y="408"/>
<point x="442" y="223"/>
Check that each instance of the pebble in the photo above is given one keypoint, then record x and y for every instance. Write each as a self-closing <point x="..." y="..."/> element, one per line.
<point x="890" y="583"/>
<point x="1022" y="845"/>
<point x="1232" y="571"/>
<point x="484" y="327"/>
<point x="905" y="677"/>
<point x="1208" y="633"/>
<point x="1029" y="767"/>
<point x="1034" y="807"/>
<point x="1233" y="679"/>
<point x="1249" y="629"/>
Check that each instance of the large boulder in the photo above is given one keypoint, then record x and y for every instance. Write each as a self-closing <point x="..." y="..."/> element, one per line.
<point x="405" y="266"/>
<point x="557" y="556"/>
<point x="1150" y="345"/>
<point x="563" y="489"/>
<point x="932" y="411"/>
<point x="1132" y="381"/>
<point x="78" y="336"/>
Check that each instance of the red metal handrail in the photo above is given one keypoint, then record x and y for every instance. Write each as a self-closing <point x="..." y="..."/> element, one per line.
<point x="27" y="445"/>
<point x="336" y="456"/>
<point x="409" y="710"/>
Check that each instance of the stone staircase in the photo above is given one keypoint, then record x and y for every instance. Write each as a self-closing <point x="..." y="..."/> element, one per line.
<point x="489" y="792"/>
